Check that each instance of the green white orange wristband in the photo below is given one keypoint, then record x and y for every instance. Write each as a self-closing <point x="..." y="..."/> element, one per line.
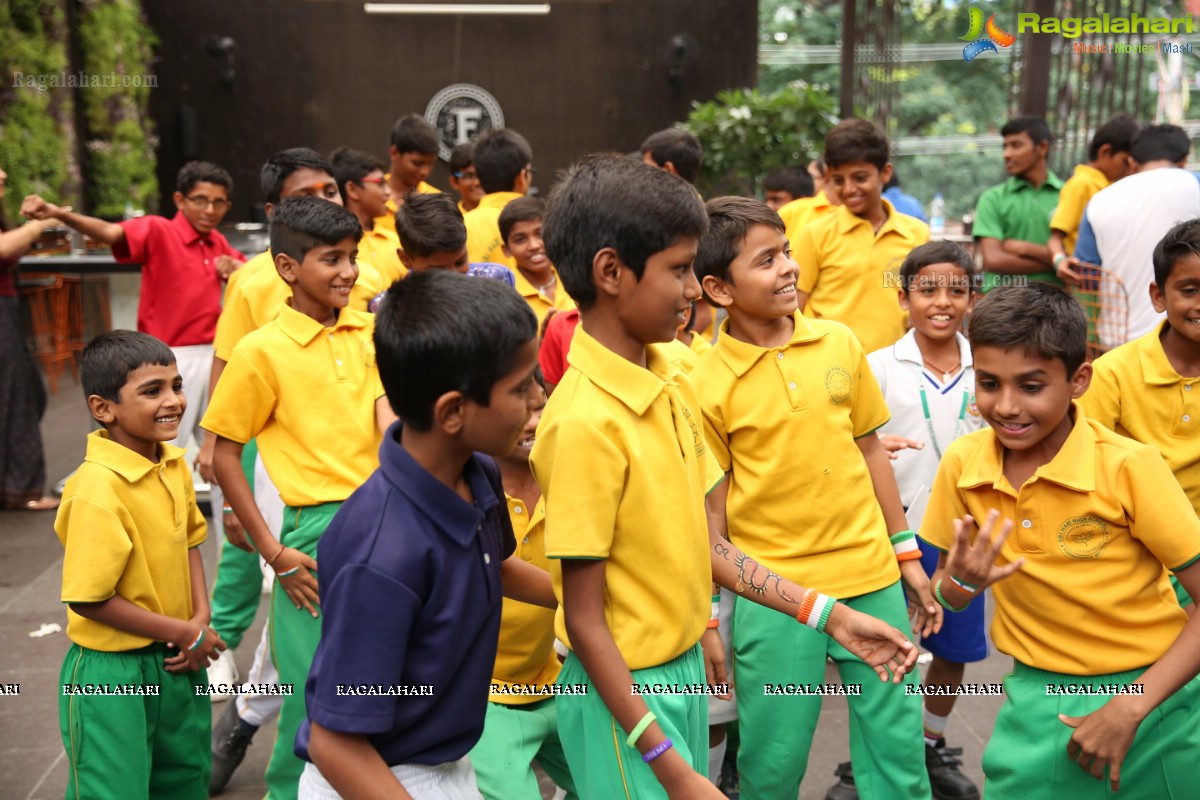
<point x="966" y="588"/>
<point x="814" y="610"/>
<point x="937" y="593"/>
<point x="905" y="545"/>
<point x="199" y="639"/>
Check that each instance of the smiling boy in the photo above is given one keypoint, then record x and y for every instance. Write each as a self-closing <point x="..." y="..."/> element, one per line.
<point x="536" y="279"/>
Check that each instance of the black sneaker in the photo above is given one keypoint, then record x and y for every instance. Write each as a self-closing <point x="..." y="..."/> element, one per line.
<point x="229" y="743"/>
<point x="729" y="784"/>
<point x="945" y="778"/>
<point x="844" y="789"/>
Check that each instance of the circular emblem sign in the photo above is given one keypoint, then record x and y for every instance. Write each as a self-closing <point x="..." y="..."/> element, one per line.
<point x="1083" y="537"/>
<point x="460" y="113"/>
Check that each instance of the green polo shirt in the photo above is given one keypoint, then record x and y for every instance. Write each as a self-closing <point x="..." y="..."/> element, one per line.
<point x="1016" y="210"/>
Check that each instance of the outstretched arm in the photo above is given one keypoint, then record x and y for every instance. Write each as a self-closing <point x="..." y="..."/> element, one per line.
<point x="109" y="233"/>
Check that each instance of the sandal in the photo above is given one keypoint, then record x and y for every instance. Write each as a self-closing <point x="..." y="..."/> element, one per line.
<point x="46" y="503"/>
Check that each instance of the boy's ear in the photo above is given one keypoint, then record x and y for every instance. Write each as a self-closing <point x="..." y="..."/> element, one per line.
<point x="670" y="167"/>
<point x="717" y="289"/>
<point x="885" y="174"/>
<point x="606" y="271"/>
<point x="903" y="295"/>
<point x="1157" y="298"/>
<point x="1042" y="147"/>
<point x="393" y="152"/>
<point x="449" y="411"/>
<point x="102" y="409"/>
<point x="504" y="247"/>
<point x="404" y="258"/>
<point x="1081" y="380"/>
<point x="178" y="198"/>
<point x="1104" y="152"/>
<point x="286" y="266"/>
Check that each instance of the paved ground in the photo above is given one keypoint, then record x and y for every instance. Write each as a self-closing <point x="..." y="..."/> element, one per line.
<point x="32" y="762"/>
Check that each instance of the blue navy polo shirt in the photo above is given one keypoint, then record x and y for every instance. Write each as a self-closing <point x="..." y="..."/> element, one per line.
<point x="410" y="610"/>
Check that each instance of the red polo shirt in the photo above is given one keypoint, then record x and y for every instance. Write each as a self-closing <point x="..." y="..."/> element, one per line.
<point x="181" y="290"/>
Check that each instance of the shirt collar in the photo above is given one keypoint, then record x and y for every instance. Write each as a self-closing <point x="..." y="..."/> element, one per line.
<point x="440" y="504"/>
<point x="187" y="234"/>
<point x="1155" y="366"/>
<point x="741" y="356"/>
<point x="1091" y="174"/>
<point x="498" y="199"/>
<point x="302" y="328"/>
<point x="102" y="450"/>
<point x="848" y="221"/>
<point x="527" y="289"/>
<point x="1073" y="466"/>
<point x="907" y="349"/>
<point x="1016" y="184"/>
<point x="637" y="388"/>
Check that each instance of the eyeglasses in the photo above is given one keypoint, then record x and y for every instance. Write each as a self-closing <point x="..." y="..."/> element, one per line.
<point x="200" y="202"/>
<point x="465" y="175"/>
<point x="379" y="181"/>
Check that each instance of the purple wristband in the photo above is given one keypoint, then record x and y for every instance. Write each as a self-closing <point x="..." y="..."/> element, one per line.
<point x="661" y="748"/>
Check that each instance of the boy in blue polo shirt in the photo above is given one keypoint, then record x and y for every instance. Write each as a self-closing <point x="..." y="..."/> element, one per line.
<point x="411" y="566"/>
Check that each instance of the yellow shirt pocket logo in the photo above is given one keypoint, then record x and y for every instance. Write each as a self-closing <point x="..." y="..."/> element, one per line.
<point x="1083" y="537"/>
<point x="368" y="354"/>
<point x="839" y="384"/>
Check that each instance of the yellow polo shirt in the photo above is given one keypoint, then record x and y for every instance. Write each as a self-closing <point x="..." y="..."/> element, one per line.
<point x="1073" y="199"/>
<point x="525" y="655"/>
<point x="699" y="345"/>
<point x="1095" y="525"/>
<point x="538" y="301"/>
<point x="127" y="525"/>
<point x="1137" y="393"/>
<point x="388" y="221"/>
<point x="378" y="247"/>
<point x="308" y="394"/>
<point x="851" y="272"/>
<point x="483" y="230"/>
<point x="782" y="422"/>
<point x="623" y="467"/>
<point x="803" y="210"/>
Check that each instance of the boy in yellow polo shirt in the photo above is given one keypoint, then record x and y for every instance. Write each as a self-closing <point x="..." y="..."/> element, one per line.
<point x="365" y="193"/>
<point x="1149" y="389"/>
<point x="133" y="579"/>
<point x="432" y="235"/>
<point x="621" y="460"/>
<point x="1104" y="658"/>
<point x="412" y="150"/>
<point x="504" y="164"/>
<point x="790" y="412"/>
<point x="850" y="260"/>
<point x="536" y="279"/>
<point x="306" y="386"/>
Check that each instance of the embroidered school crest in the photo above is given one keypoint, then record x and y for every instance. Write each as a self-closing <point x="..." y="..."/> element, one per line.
<point x="839" y="384"/>
<point x="368" y="354"/>
<point x="697" y="435"/>
<point x="1083" y="537"/>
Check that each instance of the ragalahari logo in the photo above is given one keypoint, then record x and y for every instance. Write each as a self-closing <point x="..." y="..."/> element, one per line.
<point x="993" y="36"/>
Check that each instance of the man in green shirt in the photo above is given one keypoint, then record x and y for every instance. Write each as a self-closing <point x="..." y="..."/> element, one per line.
<point x="1012" y="220"/>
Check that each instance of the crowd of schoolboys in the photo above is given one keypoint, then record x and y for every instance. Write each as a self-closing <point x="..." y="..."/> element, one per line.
<point x="469" y="578"/>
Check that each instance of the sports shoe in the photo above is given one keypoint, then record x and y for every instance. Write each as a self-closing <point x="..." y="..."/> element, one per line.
<point x="229" y="743"/>
<point x="844" y="789"/>
<point x="223" y="671"/>
<point x="945" y="778"/>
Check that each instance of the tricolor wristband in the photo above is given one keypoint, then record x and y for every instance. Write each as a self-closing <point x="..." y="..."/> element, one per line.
<point x="905" y="545"/>
<point x="937" y="593"/>
<point x="814" y="610"/>
<point x="716" y="607"/>
<point x="197" y="641"/>
<point x="966" y="588"/>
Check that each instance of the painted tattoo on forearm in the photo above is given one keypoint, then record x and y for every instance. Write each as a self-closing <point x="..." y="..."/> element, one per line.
<point x="753" y="576"/>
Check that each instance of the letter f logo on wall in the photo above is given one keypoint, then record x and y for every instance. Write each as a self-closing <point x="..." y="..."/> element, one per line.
<point x="994" y="36"/>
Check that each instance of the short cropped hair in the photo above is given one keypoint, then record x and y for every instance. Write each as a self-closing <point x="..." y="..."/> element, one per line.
<point x="729" y="222"/>
<point x="1037" y="128"/>
<point x="413" y="134"/>
<point x="1117" y="133"/>
<point x="857" y="140"/>
<point x="108" y="360"/>
<point x="461" y="157"/>
<point x="791" y="179"/>
<point x="935" y="253"/>
<point x="1180" y="241"/>
<point x="351" y="166"/>
<point x="1160" y="142"/>
<point x="303" y="223"/>
<point x="1040" y="318"/>
<point x="439" y="332"/>
<point x="523" y="209"/>
<point x="500" y="156"/>
<point x="195" y="172"/>
<point x="609" y="200"/>
<point x="679" y="147"/>
<point x="429" y="223"/>
<point x="280" y="166"/>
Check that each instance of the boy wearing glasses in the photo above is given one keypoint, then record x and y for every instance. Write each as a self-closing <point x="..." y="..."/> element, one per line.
<point x="185" y="260"/>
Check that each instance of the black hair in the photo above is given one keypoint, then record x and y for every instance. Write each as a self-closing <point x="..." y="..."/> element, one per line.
<point x="819" y="163"/>
<point x="351" y="166"/>
<point x="195" y="172"/>
<point x="935" y="253"/>
<point x="1037" y="128"/>
<point x="414" y="134"/>
<point x="303" y="223"/>
<point x="729" y="222"/>
<point x="857" y="140"/>
<point x="108" y="360"/>
<point x="280" y="166"/>
<point x="429" y="223"/>
<point x="523" y="209"/>
<point x="1160" y="142"/>
<point x="500" y="156"/>
<point x="1180" y="241"/>
<point x="679" y="147"/>
<point x="461" y="157"/>
<point x="608" y="200"/>
<point x="791" y="179"/>
<point x="1040" y="318"/>
<point x="439" y="332"/>
<point x="1117" y="133"/>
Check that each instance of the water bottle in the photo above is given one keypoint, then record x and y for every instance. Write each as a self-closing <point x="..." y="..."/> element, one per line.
<point x="937" y="214"/>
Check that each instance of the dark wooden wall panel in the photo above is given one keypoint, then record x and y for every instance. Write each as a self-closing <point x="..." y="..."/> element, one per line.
<point x="591" y="75"/>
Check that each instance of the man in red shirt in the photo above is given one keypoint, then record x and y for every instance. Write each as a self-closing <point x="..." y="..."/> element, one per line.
<point x="185" y="261"/>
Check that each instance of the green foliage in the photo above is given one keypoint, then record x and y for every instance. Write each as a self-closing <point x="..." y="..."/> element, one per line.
<point x="35" y="146"/>
<point x="116" y="40"/>
<point x="746" y="133"/>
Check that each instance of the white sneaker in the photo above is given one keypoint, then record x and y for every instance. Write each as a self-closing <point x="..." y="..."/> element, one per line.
<point x="223" y="671"/>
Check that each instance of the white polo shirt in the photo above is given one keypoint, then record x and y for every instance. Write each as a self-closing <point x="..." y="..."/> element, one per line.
<point x="901" y="374"/>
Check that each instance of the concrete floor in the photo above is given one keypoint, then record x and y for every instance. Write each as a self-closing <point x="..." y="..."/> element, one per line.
<point x="32" y="761"/>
